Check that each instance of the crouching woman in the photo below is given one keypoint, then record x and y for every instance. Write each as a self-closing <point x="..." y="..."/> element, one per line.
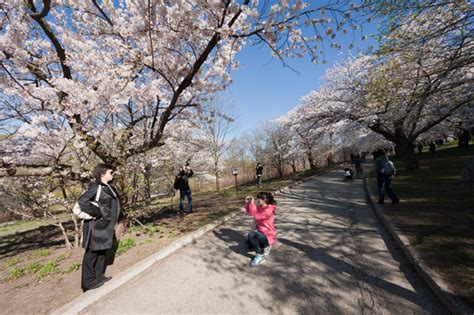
<point x="102" y="203"/>
<point x="264" y="235"/>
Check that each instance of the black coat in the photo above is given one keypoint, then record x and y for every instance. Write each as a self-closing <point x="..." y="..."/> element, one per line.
<point x="98" y="234"/>
<point x="181" y="181"/>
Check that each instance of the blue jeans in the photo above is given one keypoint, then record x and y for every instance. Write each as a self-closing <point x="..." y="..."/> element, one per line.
<point x="385" y="184"/>
<point x="185" y="193"/>
<point x="258" y="240"/>
<point x="259" y="180"/>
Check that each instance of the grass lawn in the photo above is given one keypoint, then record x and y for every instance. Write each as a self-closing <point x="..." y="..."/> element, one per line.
<point x="437" y="215"/>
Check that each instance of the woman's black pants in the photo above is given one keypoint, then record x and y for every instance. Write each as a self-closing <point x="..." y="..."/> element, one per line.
<point x="93" y="268"/>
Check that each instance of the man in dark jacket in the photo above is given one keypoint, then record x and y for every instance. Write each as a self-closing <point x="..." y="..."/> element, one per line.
<point x="184" y="190"/>
<point x="98" y="233"/>
<point x="384" y="181"/>
<point x="259" y="174"/>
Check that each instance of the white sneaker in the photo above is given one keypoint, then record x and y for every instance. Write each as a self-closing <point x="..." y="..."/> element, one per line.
<point x="266" y="251"/>
<point x="257" y="260"/>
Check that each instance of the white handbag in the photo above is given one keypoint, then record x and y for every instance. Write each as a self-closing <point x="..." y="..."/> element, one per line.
<point x="81" y="214"/>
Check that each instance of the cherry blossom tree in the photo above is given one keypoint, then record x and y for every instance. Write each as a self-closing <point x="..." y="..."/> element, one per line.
<point x="309" y="132"/>
<point x="278" y="146"/>
<point x="113" y="71"/>
<point x="410" y="86"/>
<point x="214" y="136"/>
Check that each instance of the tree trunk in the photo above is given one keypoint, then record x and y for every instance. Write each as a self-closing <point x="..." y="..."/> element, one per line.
<point x="216" y="172"/>
<point x="66" y="239"/>
<point x="81" y="239"/>
<point x="77" y="231"/>
<point x="293" y="166"/>
<point x="404" y="151"/>
<point x="134" y="188"/>
<point x="312" y="162"/>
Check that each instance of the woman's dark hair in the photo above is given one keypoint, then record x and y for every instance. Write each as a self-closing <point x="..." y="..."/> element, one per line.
<point x="268" y="197"/>
<point x="101" y="169"/>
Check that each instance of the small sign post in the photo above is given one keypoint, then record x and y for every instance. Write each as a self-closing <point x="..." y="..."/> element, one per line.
<point x="235" y="172"/>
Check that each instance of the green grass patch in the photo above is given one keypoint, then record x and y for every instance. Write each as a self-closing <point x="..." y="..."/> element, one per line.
<point x="43" y="252"/>
<point x="124" y="245"/>
<point x="149" y="229"/>
<point x="17" y="273"/>
<point x="436" y="214"/>
<point x="12" y="262"/>
<point x="72" y="267"/>
<point x="61" y="257"/>
<point x="34" y="267"/>
<point x="47" y="269"/>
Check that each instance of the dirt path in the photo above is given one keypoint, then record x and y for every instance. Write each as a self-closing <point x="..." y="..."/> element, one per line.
<point x="332" y="257"/>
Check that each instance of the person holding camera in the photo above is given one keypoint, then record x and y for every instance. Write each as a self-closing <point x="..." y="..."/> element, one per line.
<point x="181" y="183"/>
<point x="262" y="208"/>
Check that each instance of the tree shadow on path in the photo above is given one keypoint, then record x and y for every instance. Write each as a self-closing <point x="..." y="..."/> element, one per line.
<point x="230" y="236"/>
<point x="341" y="266"/>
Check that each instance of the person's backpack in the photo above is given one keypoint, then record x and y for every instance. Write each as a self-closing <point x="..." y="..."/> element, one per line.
<point x="178" y="182"/>
<point x="83" y="215"/>
<point x="388" y="168"/>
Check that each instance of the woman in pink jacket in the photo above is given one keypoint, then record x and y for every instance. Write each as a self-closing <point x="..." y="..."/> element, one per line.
<point x="263" y="210"/>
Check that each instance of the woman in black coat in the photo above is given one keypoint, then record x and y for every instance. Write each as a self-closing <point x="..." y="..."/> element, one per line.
<point x="98" y="233"/>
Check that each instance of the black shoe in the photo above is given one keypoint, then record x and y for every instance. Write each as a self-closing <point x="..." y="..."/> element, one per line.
<point x="381" y="202"/>
<point x="395" y="202"/>
<point x="95" y="286"/>
<point x="181" y="212"/>
<point x="105" y="279"/>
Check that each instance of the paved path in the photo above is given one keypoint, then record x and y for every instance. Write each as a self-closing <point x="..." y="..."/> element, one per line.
<point x="333" y="257"/>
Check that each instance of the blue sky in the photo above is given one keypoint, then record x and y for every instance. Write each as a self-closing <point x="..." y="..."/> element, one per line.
<point x="263" y="89"/>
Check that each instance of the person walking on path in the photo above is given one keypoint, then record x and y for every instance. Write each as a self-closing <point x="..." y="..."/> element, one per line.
<point x="262" y="208"/>
<point x="98" y="233"/>
<point x="433" y="148"/>
<point x="358" y="165"/>
<point x="259" y="174"/>
<point x="385" y="170"/>
<point x="181" y="183"/>
<point x="329" y="159"/>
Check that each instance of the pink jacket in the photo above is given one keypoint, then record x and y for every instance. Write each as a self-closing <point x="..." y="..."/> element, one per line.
<point x="264" y="217"/>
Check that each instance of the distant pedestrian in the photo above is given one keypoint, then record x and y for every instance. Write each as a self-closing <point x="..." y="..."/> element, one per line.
<point x="262" y="208"/>
<point x="181" y="183"/>
<point x="329" y="159"/>
<point x="385" y="171"/>
<point x="463" y="139"/>
<point x="352" y="156"/>
<point x="358" y="165"/>
<point x="433" y="148"/>
<point x="420" y="148"/>
<point x="259" y="174"/>
<point x="102" y="203"/>
<point x="348" y="174"/>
